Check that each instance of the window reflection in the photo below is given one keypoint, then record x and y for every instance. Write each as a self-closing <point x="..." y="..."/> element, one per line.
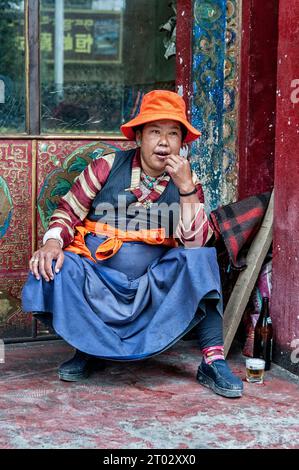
<point x="12" y="69"/>
<point x="98" y="58"/>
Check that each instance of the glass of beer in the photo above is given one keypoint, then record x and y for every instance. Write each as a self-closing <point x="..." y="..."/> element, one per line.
<point x="255" y="370"/>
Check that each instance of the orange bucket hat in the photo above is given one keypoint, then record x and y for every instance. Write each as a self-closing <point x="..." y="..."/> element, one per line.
<point x="161" y="104"/>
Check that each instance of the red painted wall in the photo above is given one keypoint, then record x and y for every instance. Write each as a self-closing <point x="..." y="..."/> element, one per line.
<point x="285" y="299"/>
<point x="257" y="96"/>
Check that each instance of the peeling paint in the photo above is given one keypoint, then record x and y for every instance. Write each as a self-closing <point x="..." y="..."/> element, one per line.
<point x="214" y="102"/>
<point x="180" y="90"/>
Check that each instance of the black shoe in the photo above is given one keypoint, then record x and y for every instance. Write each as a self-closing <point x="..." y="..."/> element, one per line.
<point x="79" y="367"/>
<point x="220" y="379"/>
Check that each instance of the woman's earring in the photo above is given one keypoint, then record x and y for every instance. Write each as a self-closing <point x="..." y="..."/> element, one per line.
<point x="138" y="142"/>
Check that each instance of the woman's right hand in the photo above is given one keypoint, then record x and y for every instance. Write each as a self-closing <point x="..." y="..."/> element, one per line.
<point x="41" y="262"/>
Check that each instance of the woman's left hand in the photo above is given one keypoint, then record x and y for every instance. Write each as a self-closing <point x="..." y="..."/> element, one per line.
<point x="179" y="170"/>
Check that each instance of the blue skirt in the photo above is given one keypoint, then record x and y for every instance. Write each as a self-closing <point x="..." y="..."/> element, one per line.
<point x="131" y="306"/>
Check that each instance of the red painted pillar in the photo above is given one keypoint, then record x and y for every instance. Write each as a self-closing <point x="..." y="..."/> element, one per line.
<point x="285" y="298"/>
<point x="184" y="50"/>
<point x="257" y="96"/>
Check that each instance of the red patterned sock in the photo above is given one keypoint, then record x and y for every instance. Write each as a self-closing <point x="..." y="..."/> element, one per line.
<point x="212" y="353"/>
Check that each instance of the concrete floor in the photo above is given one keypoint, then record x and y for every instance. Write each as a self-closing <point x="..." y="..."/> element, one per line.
<point x="155" y="403"/>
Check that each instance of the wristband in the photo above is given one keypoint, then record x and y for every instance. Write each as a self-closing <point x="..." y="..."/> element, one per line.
<point x="194" y="191"/>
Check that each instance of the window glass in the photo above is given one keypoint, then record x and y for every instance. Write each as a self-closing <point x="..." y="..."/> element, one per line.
<point x="12" y="69"/>
<point x="99" y="57"/>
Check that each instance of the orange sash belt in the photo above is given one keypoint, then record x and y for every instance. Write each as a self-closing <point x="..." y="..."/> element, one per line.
<point x="116" y="237"/>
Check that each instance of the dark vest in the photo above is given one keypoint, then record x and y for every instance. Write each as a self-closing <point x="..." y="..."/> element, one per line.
<point x="118" y="207"/>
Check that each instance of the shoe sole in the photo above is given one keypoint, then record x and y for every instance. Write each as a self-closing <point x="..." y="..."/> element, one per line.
<point x="92" y="367"/>
<point x="206" y="381"/>
<point x="73" y="377"/>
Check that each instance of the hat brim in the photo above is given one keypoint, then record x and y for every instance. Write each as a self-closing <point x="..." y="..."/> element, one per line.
<point x="129" y="132"/>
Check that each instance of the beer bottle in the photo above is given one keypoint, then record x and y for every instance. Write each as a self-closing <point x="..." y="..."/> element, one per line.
<point x="263" y="335"/>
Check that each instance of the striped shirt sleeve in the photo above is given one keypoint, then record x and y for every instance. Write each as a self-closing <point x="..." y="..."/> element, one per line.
<point x="199" y="232"/>
<point x="74" y="206"/>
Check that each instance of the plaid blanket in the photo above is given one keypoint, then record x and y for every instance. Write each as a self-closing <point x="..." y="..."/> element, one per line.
<point x="236" y="225"/>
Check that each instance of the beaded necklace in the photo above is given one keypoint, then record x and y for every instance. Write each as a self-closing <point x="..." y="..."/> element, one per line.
<point x="151" y="181"/>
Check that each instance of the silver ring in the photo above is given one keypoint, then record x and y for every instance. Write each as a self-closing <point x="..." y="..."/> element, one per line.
<point x="35" y="260"/>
